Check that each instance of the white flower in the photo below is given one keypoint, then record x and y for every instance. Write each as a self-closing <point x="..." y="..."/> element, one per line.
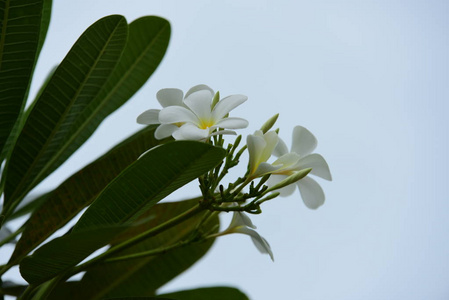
<point x="168" y="97"/>
<point x="198" y="119"/>
<point x="260" y="148"/>
<point x="242" y="224"/>
<point x="303" y="144"/>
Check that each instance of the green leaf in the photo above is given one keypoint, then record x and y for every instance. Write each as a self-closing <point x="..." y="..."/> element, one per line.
<point x="143" y="276"/>
<point x="75" y="83"/>
<point x="140" y="186"/>
<point x="64" y="252"/>
<point x="147" y="42"/>
<point x="78" y="191"/>
<point x="216" y="293"/>
<point x="21" y="33"/>
<point x="155" y="175"/>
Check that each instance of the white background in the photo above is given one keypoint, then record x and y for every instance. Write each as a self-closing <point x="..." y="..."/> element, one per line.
<point x="368" y="78"/>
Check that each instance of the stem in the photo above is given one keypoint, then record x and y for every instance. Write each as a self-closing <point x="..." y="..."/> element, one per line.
<point x="12" y="236"/>
<point x="148" y="253"/>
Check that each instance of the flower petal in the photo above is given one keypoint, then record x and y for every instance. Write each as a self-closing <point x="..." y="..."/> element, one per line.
<point x="271" y="138"/>
<point x="190" y="132"/>
<point x="149" y="117"/>
<point x="260" y="243"/>
<point x="287" y="160"/>
<point x="220" y="132"/>
<point x="281" y="148"/>
<point x="255" y="145"/>
<point x="199" y="87"/>
<point x="169" y="97"/>
<point x="303" y="142"/>
<point x="265" y="168"/>
<point x="240" y="219"/>
<point x="232" y="123"/>
<point x="200" y="103"/>
<point x="177" y="114"/>
<point x="311" y="193"/>
<point x="225" y="105"/>
<point x="317" y="163"/>
<point x="285" y="191"/>
<point x="164" y="131"/>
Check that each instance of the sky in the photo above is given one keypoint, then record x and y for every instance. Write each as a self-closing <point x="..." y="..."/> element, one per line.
<point x="368" y="78"/>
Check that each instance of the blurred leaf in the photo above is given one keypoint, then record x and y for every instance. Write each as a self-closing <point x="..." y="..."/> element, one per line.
<point x="23" y="26"/>
<point x="151" y="178"/>
<point x="74" y="194"/>
<point x="140" y="186"/>
<point x="215" y="293"/>
<point x="75" y="83"/>
<point x="143" y="276"/>
<point x="11" y="288"/>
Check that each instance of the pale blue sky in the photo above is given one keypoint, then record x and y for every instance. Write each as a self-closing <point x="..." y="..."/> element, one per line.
<point x="368" y="78"/>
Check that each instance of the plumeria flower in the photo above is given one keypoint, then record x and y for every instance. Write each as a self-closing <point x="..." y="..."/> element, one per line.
<point x="199" y="118"/>
<point x="241" y="223"/>
<point x="303" y="144"/>
<point x="168" y="97"/>
<point x="260" y="147"/>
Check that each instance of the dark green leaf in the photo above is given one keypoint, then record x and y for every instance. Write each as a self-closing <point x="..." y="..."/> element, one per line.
<point x="151" y="178"/>
<point x="80" y="189"/>
<point x="142" y="276"/>
<point x="140" y="186"/>
<point x="209" y="293"/>
<point x="147" y="42"/>
<point x="75" y="83"/>
<point x="63" y="253"/>
<point x="21" y="33"/>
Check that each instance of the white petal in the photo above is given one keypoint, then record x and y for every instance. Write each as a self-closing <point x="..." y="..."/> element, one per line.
<point x="271" y="138"/>
<point x="311" y="193"/>
<point x="265" y="168"/>
<point x="164" y="131"/>
<point x="220" y="132"/>
<point x="169" y="97"/>
<point x="200" y="103"/>
<point x="149" y="117"/>
<point x="255" y="145"/>
<point x="287" y="160"/>
<point x="317" y="163"/>
<point x="200" y="87"/>
<point x="303" y="142"/>
<point x="225" y="105"/>
<point x="285" y="191"/>
<point x="260" y="243"/>
<point x="241" y="219"/>
<point x="232" y="123"/>
<point x="190" y="132"/>
<point x="281" y="148"/>
<point x="176" y="114"/>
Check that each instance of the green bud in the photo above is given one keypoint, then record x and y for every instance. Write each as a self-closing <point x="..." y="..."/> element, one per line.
<point x="216" y="99"/>
<point x="268" y="124"/>
<point x="290" y="179"/>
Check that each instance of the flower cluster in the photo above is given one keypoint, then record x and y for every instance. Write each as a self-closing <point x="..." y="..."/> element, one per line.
<point x="200" y="115"/>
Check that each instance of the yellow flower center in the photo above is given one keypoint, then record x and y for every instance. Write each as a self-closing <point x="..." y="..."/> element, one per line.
<point x="204" y="124"/>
